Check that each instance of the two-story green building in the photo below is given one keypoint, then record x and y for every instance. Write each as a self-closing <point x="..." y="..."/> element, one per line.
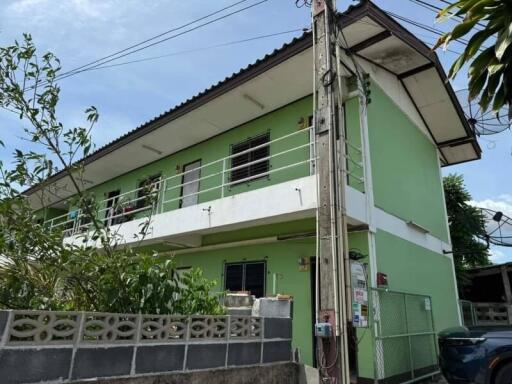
<point x="233" y="172"/>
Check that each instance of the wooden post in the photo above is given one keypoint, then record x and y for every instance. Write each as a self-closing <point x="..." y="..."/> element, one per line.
<point x="332" y="352"/>
<point x="508" y="291"/>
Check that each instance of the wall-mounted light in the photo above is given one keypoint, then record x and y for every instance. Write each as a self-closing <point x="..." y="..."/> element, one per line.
<point x="418" y="227"/>
<point x="149" y="148"/>
<point x="304" y="264"/>
<point x="253" y="100"/>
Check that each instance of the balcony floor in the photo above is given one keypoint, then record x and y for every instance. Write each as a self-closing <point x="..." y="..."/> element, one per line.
<point x="288" y="201"/>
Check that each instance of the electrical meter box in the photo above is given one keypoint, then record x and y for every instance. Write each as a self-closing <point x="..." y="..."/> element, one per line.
<point x="359" y="295"/>
<point x="323" y="330"/>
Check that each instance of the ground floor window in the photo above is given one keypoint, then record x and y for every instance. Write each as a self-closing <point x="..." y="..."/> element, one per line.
<point x="246" y="276"/>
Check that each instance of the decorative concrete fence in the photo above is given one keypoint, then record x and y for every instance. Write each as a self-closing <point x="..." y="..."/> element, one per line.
<point x="42" y="346"/>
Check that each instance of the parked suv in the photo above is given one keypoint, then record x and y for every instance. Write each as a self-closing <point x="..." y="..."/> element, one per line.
<point x="480" y="355"/>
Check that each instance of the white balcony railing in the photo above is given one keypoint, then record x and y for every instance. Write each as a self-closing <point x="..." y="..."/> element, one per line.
<point x="290" y="156"/>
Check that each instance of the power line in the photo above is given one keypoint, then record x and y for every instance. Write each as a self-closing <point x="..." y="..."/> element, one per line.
<point x="100" y="63"/>
<point x="235" y="42"/>
<point x="451" y="50"/>
<point x="437" y="9"/>
<point x="156" y="36"/>
<point x="127" y="51"/>
<point x="390" y="14"/>
<point x="428" y="28"/>
<point x="195" y="50"/>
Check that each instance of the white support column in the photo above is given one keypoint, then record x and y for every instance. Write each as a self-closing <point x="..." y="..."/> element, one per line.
<point x="368" y="186"/>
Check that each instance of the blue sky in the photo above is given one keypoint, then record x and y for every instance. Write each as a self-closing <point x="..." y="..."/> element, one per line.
<point x="80" y="31"/>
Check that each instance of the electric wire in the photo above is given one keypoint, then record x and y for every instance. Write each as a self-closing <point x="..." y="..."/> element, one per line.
<point x="437" y="9"/>
<point x="127" y="51"/>
<point x="157" y="36"/>
<point x="171" y="37"/>
<point x="425" y="27"/>
<point x="235" y="42"/>
<point x="102" y="63"/>
<point x="423" y="41"/>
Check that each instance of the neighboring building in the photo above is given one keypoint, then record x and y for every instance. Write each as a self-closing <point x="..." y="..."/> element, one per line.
<point x="487" y="298"/>
<point x="233" y="169"/>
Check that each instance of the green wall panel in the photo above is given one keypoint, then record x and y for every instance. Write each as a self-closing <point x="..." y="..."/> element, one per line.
<point x="411" y="268"/>
<point x="406" y="175"/>
<point x="279" y="123"/>
<point x="282" y="260"/>
<point x="353" y="135"/>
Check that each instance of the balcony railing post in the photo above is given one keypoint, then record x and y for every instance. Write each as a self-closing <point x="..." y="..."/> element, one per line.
<point x="312" y="150"/>
<point x="162" y="195"/>
<point x="110" y="213"/>
<point x="223" y="177"/>
<point x="76" y="222"/>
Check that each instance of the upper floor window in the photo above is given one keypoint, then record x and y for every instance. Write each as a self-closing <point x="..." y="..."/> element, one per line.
<point x="146" y="190"/>
<point x="254" y="152"/>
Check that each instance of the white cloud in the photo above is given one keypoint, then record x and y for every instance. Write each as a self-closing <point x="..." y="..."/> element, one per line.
<point x="500" y="255"/>
<point x="22" y="6"/>
<point x="506" y="197"/>
<point x="503" y="204"/>
<point x="54" y="9"/>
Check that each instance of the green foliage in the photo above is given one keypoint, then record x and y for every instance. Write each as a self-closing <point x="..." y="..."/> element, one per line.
<point x="490" y="71"/>
<point x="37" y="271"/>
<point x="466" y="225"/>
<point x="25" y="281"/>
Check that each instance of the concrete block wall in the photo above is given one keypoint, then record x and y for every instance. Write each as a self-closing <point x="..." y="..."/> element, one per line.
<point x="39" y="346"/>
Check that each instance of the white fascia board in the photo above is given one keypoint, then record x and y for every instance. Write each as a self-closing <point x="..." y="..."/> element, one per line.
<point x="400" y="228"/>
<point x="291" y="200"/>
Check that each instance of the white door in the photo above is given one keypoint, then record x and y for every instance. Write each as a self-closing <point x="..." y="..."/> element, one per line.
<point x="190" y="188"/>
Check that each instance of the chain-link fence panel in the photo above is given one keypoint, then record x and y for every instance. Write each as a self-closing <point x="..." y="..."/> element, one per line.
<point x="405" y="339"/>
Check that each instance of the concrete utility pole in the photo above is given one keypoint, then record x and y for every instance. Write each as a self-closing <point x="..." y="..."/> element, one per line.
<point x="332" y="352"/>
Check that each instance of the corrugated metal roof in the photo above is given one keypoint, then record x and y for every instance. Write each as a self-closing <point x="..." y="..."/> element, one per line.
<point x="302" y="42"/>
<point x="213" y="87"/>
<point x="297" y="45"/>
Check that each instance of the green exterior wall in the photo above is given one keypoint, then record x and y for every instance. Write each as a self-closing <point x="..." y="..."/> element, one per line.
<point x="279" y="123"/>
<point x="49" y="213"/>
<point x="406" y="174"/>
<point x="282" y="259"/>
<point x="414" y="269"/>
<point x="353" y="149"/>
<point x="406" y="183"/>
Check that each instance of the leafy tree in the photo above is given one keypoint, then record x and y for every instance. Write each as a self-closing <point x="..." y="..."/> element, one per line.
<point x="488" y="51"/>
<point x="37" y="271"/>
<point x="467" y="224"/>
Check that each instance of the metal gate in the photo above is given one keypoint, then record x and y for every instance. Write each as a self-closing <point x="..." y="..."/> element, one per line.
<point x="405" y="339"/>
